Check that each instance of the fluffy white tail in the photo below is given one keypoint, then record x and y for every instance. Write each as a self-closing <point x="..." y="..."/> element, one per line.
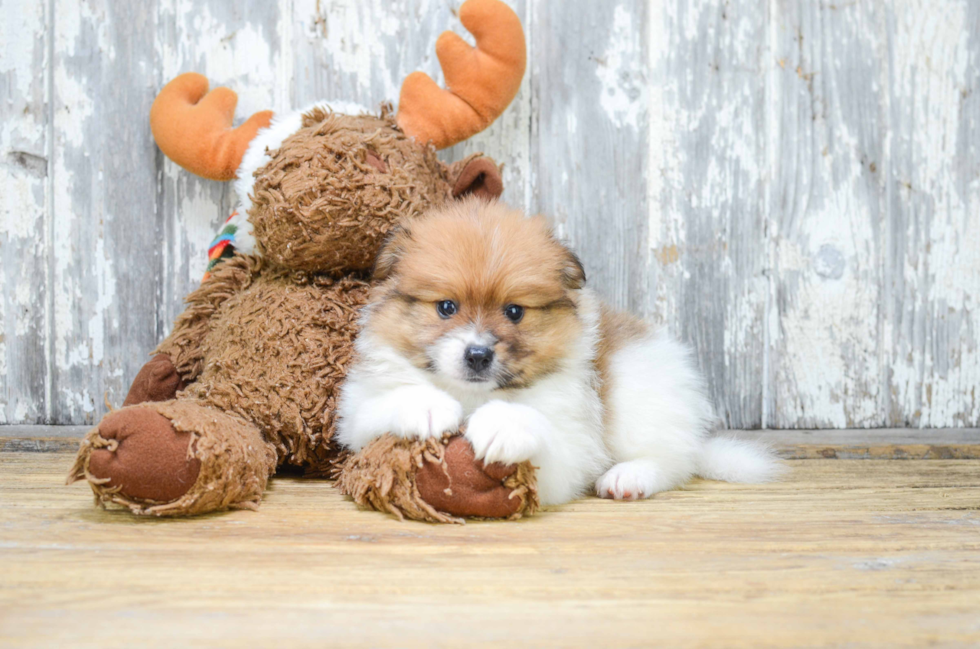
<point x="738" y="460"/>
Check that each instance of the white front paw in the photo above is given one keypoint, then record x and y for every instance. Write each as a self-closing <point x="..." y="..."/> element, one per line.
<point x="505" y="432"/>
<point x="422" y="411"/>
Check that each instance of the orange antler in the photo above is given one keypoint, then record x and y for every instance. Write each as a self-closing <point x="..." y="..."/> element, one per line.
<point x="193" y="127"/>
<point x="481" y="80"/>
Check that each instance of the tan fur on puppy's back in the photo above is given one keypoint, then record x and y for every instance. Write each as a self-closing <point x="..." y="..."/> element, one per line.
<point x="616" y="330"/>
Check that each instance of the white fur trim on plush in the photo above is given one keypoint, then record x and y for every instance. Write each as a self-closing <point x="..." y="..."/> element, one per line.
<point x="271" y="138"/>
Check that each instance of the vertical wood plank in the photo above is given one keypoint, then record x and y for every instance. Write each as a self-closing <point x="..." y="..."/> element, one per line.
<point x="707" y="248"/>
<point x="589" y="76"/>
<point x="24" y="209"/>
<point x="827" y="128"/>
<point x="104" y="244"/>
<point x="932" y="262"/>
<point x="238" y="45"/>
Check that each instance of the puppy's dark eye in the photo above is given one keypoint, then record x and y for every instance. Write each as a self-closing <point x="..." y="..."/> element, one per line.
<point x="514" y="313"/>
<point x="446" y="309"/>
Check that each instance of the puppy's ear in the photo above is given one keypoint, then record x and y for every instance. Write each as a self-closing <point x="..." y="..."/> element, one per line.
<point x="391" y="252"/>
<point x="572" y="272"/>
<point x="477" y="176"/>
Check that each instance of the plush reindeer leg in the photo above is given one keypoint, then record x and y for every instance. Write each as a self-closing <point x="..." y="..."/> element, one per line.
<point x="438" y="481"/>
<point x="175" y="458"/>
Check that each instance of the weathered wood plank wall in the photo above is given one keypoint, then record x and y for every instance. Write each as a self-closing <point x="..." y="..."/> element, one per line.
<point x="792" y="187"/>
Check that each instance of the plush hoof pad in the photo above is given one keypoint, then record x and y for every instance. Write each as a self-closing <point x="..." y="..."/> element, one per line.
<point x="470" y="488"/>
<point x="146" y="458"/>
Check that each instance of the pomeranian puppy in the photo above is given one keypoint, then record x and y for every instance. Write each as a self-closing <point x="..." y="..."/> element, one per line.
<point x="482" y="322"/>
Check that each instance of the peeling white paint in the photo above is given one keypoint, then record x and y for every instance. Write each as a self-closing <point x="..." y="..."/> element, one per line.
<point x="23" y="170"/>
<point x="238" y="57"/>
<point x="658" y="134"/>
<point x="106" y="287"/>
<point x="816" y="292"/>
<point x="21" y="215"/>
<point x="73" y="107"/>
<point x="828" y="353"/>
<point x="72" y="19"/>
<point x="80" y="401"/>
<point x="356" y="38"/>
<point x="22" y="411"/>
<point x="933" y="335"/>
<point x="22" y="23"/>
<point x="24" y="298"/>
<point x="621" y="72"/>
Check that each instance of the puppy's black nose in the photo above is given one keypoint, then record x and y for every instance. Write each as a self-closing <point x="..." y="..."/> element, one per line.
<point x="478" y="358"/>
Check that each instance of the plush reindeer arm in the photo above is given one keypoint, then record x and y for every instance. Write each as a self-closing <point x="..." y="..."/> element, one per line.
<point x="185" y="344"/>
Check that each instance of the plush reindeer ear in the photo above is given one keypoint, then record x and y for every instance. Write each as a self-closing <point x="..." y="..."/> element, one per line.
<point x="391" y="251"/>
<point x="477" y="176"/>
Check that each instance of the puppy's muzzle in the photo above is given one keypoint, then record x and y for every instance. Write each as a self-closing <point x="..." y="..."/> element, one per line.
<point x="478" y="359"/>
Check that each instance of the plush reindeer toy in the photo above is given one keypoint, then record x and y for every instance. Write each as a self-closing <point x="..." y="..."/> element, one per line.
<point x="249" y="378"/>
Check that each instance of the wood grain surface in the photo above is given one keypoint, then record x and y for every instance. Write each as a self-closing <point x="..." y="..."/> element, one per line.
<point x="841" y="553"/>
<point x="793" y="187"/>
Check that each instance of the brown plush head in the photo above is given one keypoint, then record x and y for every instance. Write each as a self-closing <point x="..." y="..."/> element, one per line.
<point x="333" y="190"/>
<point x="322" y="189"/>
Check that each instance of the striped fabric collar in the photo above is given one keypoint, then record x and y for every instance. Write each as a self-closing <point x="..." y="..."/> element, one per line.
<point x="234" y="236"/>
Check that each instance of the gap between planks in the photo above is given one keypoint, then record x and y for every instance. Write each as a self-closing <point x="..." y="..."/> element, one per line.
<point x="846" y="444"/>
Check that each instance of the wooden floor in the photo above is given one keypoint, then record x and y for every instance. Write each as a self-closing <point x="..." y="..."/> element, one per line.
<point x="843" y="552"/>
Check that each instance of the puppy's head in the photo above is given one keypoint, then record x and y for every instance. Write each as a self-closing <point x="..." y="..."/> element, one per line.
<point x="479" y="295"/>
